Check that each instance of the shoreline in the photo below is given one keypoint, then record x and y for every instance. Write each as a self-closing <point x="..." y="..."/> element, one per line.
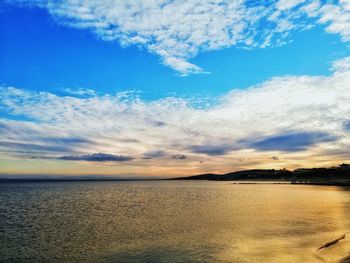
<point x="242" y="182"/>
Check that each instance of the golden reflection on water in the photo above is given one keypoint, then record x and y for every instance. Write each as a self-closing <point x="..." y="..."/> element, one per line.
<point x="169" y="221"/>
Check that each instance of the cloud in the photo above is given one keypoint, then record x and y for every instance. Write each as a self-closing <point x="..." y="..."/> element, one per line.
<point x="346" y="125"/>
<point x="30" y="137"/>
<point x="341" y="65"/>
<point x="286" y="114"/>
<point x="292" y="142"/>
<point x="336" y="18"/>
<point x="97" y="157"/>
<point x="288" y="4"/>
<point x="154" y="154"/>
<point x="31" y="148"/>
<point x="212" y="149"/>
<point x="179" y="157"/>
<point x="79" y="92"/>
<point x="177" y="31"/>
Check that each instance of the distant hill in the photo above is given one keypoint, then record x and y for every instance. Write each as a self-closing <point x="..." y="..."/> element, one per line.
<point x="339" y="175"/>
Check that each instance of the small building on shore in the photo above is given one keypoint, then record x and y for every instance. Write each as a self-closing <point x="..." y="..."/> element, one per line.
<point x="344" y="166"/>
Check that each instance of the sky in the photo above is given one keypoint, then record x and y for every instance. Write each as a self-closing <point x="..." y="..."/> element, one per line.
<point x="171" y="88"/>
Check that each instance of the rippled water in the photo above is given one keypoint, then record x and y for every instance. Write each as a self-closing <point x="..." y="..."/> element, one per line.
<point x="168" y="221"/>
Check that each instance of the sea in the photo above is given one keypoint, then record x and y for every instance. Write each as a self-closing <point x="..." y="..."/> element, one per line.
<point x="168" y="221"/>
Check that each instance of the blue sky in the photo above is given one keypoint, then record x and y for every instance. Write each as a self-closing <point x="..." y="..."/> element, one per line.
<point x="39" y="54"/>
<point x="135" y="56"/>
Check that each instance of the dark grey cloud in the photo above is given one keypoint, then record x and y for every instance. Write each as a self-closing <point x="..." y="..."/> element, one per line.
<point x="97" y="157"/>
<point x="129" y="140"/>
<point x="3" y="127"/>
<point x="179" y="157"/>
<point x="346" y="126"/>
<point x="21" y="138"/>
<point x="291" y="142"/>
<point x="43" y="144"/>
<point x="154" y="154"/>
<point x="34" y="148"/>
<point x="158" y="123"/>
<point x="65" y="140"/>
<point x="211" y="149"/>
<point x="287" y="142"/>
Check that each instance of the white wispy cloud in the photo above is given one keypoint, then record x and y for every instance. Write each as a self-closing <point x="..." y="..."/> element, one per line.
<point x="341" y="65"/>
<point x="301" y="112"/>
<point x="337" y="19"/>
<point x="79" y="91"/>
<point x="177" y="31"/>
<point x="288" y="4"/>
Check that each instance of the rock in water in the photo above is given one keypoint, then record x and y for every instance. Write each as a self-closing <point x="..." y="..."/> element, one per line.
<point x="337" y="250"/>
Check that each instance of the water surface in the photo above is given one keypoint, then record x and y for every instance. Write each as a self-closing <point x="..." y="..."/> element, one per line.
<point x="168" y="221"/>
